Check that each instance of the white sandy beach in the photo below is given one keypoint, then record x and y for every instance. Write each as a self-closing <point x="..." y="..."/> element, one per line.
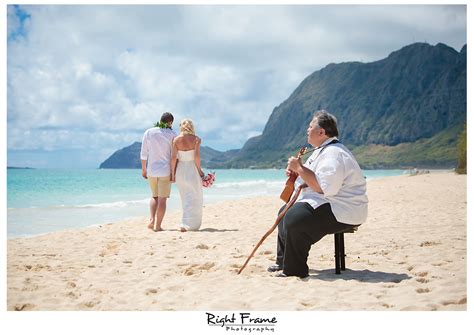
<point x="409" y="255"/>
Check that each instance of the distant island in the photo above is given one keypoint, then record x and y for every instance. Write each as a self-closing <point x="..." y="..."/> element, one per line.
<point x="406" y="110"/>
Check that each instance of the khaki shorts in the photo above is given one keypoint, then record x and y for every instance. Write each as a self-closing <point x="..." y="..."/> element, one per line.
<point x="160" y="186"/>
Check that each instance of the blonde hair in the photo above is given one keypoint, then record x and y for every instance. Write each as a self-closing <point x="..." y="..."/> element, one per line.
<point x="187" y="127"/>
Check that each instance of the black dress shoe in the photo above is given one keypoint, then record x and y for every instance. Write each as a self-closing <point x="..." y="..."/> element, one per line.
<point x="275" y="268"/>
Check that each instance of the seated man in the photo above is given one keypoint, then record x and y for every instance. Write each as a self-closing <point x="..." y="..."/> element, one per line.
<point x="334" y="199"/>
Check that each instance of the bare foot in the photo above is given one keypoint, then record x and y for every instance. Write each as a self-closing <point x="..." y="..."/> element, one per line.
<point x="153" y="226"/>
<point x="183" y="230"/>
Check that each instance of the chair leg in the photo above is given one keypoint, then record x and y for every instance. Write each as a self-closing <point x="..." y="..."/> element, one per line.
<point x="343" y="253"/>
<point x="337" y="253"/>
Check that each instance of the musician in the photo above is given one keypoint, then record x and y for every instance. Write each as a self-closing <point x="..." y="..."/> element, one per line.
<point x="334" y="197"/>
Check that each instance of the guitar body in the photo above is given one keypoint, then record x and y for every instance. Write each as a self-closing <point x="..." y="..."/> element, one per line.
<point x="289" y="188"/>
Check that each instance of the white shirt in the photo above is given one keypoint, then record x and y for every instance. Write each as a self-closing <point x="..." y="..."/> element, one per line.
<point x="156" y="149"/>
<point x="341" y="179"/>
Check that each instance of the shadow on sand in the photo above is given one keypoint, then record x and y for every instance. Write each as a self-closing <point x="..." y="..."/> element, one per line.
<point x="365" y="276"/>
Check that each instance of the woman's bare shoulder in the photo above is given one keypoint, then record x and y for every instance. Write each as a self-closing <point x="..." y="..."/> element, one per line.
<point x="189" y="138"/>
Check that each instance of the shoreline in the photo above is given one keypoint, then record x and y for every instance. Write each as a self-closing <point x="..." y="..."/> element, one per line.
<point x="176" y="208"/>
<point x="409" y="255"/>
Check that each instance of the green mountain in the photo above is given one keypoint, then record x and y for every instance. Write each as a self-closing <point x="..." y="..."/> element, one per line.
<point x="401" y="104"/>
<point x="125" y="158"/>
<point x="405" y="110"/>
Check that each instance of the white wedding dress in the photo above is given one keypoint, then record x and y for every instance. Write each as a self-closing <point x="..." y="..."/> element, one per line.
<point x="190" y="189"/>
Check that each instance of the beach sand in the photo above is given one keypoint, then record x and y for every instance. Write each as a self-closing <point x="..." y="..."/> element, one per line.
<point x="409" y="255"/>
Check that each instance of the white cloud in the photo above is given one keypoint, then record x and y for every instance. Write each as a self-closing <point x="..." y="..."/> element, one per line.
<point x="94" y="77"/>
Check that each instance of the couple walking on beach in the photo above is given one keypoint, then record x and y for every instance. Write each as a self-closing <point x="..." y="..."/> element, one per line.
<point x="167" y="158"/>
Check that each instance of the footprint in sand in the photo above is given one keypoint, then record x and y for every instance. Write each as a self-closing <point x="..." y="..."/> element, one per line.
<point x="193" y="269"/>
<point x="24" y="307"/>
<point x="151" y="291"/>
<point x="71" y="284"/>
<point x="437" y="264"/>
<point x="422" y="280"/>
<point x="207" y="266"/>
<point x="111" y="248"/>
<point x="101" y="291"/>
<point x="91" y="304"/>
<point x="423" y="290"/>
<point x="235" y="268"/>
<point x="429" y="243"/>
<point x="462" y="301"/>
<point x="72" y="295"/>
<point x="387" y="305"/>
<point x="190" y="271"/>
<point x="38" y="267"/>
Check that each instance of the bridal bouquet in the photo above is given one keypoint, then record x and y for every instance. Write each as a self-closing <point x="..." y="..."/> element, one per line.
<point x="208" y="180"/>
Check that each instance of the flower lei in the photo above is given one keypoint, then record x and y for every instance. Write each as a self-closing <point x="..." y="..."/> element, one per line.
<point x="161" y="125"/>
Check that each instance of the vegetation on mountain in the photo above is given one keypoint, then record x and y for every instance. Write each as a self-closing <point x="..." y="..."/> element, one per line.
<point x="462" y="152"/>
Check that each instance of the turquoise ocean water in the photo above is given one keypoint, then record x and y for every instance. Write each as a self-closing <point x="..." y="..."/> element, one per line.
<point x="45" y="200"/>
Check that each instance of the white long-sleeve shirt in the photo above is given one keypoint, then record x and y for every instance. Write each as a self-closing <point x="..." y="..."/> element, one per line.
<point x="341" y="179"/>
<point x="156" y="150"/>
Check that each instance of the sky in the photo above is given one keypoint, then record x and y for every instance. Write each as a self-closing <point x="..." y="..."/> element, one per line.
<point x="86" y="80"/>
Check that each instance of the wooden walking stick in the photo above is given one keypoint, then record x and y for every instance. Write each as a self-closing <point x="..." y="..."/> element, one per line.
<point x="282" y="214"/>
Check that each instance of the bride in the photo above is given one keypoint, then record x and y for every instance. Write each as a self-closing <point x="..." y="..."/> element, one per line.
<point x="186" y="172"/>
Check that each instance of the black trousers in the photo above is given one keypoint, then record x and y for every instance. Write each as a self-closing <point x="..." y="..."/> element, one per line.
<point x="300" y="228"/>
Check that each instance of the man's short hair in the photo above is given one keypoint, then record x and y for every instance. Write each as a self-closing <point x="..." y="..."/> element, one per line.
<point x="326" y="121"/>
<point x="167" y="117"/>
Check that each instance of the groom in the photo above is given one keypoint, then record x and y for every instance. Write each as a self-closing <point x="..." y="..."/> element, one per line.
<point x="156" y="150"/>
